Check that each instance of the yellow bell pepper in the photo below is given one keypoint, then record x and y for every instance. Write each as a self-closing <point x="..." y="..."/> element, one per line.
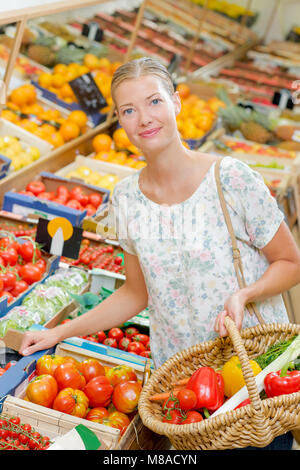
<point x="233" y="375"/>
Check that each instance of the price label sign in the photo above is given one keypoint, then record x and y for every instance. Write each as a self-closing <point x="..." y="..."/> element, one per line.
<point x="58" y="237"/>
<point x="88" y="94"/>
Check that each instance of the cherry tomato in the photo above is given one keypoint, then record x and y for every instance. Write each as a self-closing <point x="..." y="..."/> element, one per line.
<point x="146" y="354"/>
<point x="19" y="287"/>
<point x="90" y="209"/>
<point x="95" y="199"/>
<point x="74" y="204"/>
<point x="81" y="198"/>
<point x="9" y="296"/>
<point x="116" y="333"/>
<point x="187" y="399"/>
<point x="111" y="342"/>
<point x="141" y="338"/>
<point x="63" y="192"/>
<point x="124" y="343"/>
<point x="192" y="417"/>
<point x="9" y="256"/>
<point x="131" y="331"/>
<point x="136" y="347"/>
<point x="36" y="187"/>
<point x="91" y="338"/>
<point x="30" y="273"/>
<point x="172" y="416"/>
<point x="101" y="336"/>
<point x="28" y="250"/>
<point x="47" y="195"/>
<point x="9" y="279"/>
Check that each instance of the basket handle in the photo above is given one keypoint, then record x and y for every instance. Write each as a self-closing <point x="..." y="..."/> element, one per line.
<point x="244" y="361"/>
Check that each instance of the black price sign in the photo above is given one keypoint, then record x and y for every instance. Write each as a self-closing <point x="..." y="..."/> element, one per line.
<point x="87" y="93"/>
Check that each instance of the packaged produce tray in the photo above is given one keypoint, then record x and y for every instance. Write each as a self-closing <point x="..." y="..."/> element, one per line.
<point x="33" y="207"/>
<point x="13" y="337"/>
<point x="136" y="435"/>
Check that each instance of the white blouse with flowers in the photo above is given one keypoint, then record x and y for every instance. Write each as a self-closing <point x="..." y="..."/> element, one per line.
<point x="185" y="252"/>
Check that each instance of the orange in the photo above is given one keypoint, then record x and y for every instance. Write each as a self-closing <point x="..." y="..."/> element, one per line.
<point x="102" y="142"/>
<point x="56" y="139"/>
<point x="36" y="109"/>
<point x="13" y="106"/>
<point x="28" y="125"/>
<point x="41" y="133"/>
<point x="51" y="114"/>
<point x="183" y="90"/>
<point x="9" y="116"/>
<point x="104" y="155"/>
<point x="18" y="97"/>
<point x="48" y="128"/>
<point x="69" y="130"/>
<point x="58" y="80"/>
<point x="30" y="93"/>
<point x="60" y="68"/>
<point x="66" y="91"/>
<point x="79" y="117"/>
<point x="91" y="61"/>
<point x="114" y="66"/>
<point x="45" y="79"/>
<point x="121" y="139"/>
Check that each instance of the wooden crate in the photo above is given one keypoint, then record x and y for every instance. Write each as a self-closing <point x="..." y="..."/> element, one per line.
<point x="136" y="436"/>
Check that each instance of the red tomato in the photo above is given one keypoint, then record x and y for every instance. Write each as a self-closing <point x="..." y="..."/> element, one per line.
<point x="122" y="373"/>
<point x="73" y="361"/>
<point x="41" y="264"/>
<point x="187" y="399"/>
<point x="126" y="396"/>
<point x="172" y="416"/>
<point x="63" y="193"/>
<point x="42" y="390"/>
<point x="170" y="403"/>
<point x="192" y="417"/>
<point x="68" y="376"/>
<point x="101" y="336"/>
<point x="46" y="195"/>
<point x="36" y="187"/>
<point x="97" y="414"/>
<point x="99" y="391"/>
<point x="9" y="279"/>
<point x="19" y="287"/>
<point x="111" y="342"/>
<point x="71" y="401"/>
<point x="117" y="420"/>
<point x="146" y="354"/>
<point x="9" y="296"/>
<point x="81" y="198"/>
<point x="9" y="256"/>
<point x="91" y="338"/>
<point x="95" y="199"/>
<point x="131" y="331"/>
<point x="30" y="273"/>
<point x="136" y="348"/>
<point x="75" y="191"/>
<point x="124" y="343"/>
<point x="92" y="368"/>
<point x="141" y="338"/>
<point x="48" y="364"/>
<point x="28" y="249"/>
<point x="90" y="209"/>
<point x="74" y="204"/>
<point x="116" y="333"/>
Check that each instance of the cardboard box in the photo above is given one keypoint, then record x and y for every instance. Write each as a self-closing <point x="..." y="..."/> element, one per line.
<point x="136" y="435"/>
<point x="4" y="166"/>
<point x="33" y="207"/>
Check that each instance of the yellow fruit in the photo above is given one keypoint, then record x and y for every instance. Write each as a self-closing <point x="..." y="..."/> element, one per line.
<point x="45" y="80"/>
<point x="69" y="130"/>
<point x="121" y="139"/>
<point x="78" y="117"/>
<point x="183" y="90"/>
<point x="91" y="61"/>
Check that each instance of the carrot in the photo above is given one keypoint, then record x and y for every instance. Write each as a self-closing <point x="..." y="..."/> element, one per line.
<point x="181" y="382"/>
<point x="165" y="395"/>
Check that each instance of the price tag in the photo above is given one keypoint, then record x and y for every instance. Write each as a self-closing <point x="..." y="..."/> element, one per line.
<point x="92" y="31"/>
<point x="87" y="93"/>
<point x="59" y="237"/>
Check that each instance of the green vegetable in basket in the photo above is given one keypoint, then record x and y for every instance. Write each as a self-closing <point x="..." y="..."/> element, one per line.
<point x="273" y="352"/>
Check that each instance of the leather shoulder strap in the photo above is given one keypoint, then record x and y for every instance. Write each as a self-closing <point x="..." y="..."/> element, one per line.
<point x="237" y="260"/>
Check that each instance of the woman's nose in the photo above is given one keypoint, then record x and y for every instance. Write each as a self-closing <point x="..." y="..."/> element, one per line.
<point x="145" y="118"/>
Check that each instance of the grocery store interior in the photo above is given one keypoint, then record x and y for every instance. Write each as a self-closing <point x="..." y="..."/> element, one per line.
<point x="235" y="65"/>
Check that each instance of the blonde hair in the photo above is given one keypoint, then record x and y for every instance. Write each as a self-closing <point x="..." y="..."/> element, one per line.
<point x="141" y="67"/>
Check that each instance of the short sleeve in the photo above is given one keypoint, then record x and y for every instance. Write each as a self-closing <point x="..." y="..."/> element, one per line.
<point x="249" y="196"/>
<point x="119" y="206"/>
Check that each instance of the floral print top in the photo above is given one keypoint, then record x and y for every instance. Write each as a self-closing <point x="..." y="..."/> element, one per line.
<point x="186" y="257"/>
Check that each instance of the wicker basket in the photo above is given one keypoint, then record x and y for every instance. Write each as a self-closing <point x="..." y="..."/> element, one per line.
<point x="256" y="424"/>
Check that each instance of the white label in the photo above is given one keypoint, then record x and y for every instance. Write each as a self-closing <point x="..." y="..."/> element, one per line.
<point x="296" y="136"/>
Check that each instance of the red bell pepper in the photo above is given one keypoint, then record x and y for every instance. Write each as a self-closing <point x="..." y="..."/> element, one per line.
<point x="205" y="383"/>
<point x="282" y="382"/>
<point x="243" y="403"/>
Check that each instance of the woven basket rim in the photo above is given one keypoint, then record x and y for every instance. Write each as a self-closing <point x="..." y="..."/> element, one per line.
<point x="185" y="430"/>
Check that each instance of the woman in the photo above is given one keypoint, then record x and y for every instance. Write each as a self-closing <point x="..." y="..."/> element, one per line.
<point x="178" y="255"/>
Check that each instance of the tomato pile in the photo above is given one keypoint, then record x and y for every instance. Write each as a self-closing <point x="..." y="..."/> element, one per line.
<point x="97" y="256"/>
<point x="17" y="436"/>
<point x="86" y="389"/>
<point x="21" y="264"/>
<point x="129" y="339"/>
<point x="76" y="198"/>
<point x="6" y="367"/>
<point x="18" y="230"/>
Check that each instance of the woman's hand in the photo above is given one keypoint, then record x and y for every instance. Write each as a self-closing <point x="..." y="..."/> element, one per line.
<point x="234" y="308"/>
<point x="37" y="340"/>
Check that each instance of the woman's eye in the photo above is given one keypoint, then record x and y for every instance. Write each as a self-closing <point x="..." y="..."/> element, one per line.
<point x="128" y="111"/>
<point x="155" y="101"/>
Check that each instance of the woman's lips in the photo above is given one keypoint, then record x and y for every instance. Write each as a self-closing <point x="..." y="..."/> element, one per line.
<point x="150" y="132"/>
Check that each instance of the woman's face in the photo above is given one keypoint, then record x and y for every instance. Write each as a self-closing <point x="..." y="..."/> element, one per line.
<point x="147" y="112"/>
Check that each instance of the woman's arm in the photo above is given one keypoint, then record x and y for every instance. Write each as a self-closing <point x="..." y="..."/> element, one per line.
<point x="127" y="301"/>
<point x="283" y="273"/>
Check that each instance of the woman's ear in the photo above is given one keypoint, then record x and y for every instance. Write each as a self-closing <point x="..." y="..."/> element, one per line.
<point x="177" y="102"/>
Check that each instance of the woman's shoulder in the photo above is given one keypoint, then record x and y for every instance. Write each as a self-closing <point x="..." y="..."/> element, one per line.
<point x="234" y="174"/>
<point x="126" y="186"/>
